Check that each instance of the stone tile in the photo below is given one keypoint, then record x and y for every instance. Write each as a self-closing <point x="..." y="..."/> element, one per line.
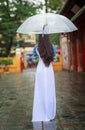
<point x="16" y="100"/>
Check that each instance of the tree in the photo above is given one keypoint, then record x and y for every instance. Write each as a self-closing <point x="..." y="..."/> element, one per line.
<point x="53" y="5"/>
<point x="12" y="13"/>
<point x="55" y="39"/>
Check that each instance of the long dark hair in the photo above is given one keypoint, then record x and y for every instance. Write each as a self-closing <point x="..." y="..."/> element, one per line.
<point x="45" y="49"/>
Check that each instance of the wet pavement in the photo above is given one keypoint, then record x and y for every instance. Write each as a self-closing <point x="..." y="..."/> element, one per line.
<point x="16" y="100"/>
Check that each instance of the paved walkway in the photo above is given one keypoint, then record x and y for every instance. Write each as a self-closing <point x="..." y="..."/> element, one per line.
<point x="16" y="99"/>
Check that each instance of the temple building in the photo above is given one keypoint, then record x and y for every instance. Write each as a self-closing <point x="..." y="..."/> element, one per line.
<point x="73" y="44"/>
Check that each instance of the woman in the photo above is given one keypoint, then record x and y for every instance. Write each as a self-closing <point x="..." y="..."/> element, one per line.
<point x="44" y="106"/>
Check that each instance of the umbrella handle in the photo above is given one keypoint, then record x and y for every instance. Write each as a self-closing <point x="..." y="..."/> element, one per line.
<point x="43" y="29"/>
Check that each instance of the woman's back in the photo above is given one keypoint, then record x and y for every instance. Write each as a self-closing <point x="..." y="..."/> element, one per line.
<point x="44" y="106"/>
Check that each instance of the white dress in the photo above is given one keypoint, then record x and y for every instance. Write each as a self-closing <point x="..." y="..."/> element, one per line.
<point x="44" y="106"/>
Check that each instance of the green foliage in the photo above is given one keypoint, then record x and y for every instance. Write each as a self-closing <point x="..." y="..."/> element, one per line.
<point x="12" y="13"/>
<point x="6" y="62"/>
<point x="54" y="5"/>
<point x="55" y="39"/>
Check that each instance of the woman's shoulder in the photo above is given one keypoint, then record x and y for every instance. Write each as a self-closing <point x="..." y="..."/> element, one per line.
<point x="35" y="49"/>
<point x="36" y="46"/>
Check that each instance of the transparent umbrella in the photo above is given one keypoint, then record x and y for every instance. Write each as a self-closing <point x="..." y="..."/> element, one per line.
<point x="46" y="23"/>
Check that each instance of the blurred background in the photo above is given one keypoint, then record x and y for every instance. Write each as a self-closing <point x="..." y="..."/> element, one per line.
<point x="71" y="46"/>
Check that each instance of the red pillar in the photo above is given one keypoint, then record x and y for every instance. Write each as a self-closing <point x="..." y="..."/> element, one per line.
<point x="83" y="48"/>
<point x="75" y="54"/>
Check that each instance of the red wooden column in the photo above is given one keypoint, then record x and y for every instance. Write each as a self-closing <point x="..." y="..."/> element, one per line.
<point x="72" y="52"/>
<point x="79" y="51"/>
<point x="75" y="51"/>
<point x="83" y="48"/>
<point x="69" y="51"/>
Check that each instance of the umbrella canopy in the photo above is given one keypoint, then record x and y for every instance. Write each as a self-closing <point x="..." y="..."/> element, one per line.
<point x="46" y="23"/>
